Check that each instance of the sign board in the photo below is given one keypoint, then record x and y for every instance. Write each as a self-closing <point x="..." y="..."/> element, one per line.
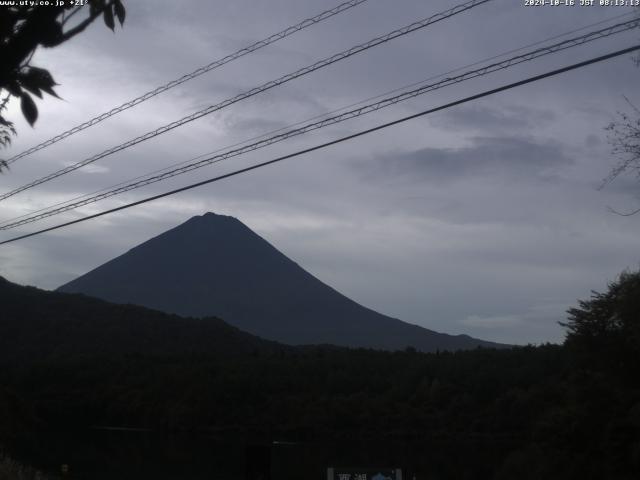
<point x="336" y="473"/>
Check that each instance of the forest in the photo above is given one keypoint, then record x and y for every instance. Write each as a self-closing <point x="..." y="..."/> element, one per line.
<point x="549" y="411"/>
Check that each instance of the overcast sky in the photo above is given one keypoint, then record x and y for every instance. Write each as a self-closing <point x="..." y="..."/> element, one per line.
<point x="483" y="219"/>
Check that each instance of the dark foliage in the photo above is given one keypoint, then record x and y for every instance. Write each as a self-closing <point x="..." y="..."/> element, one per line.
<point x="46" y="327"/>
<point x="24" y="28"/>
<point x="605" y="330"/>
<point x="527" y="413"/>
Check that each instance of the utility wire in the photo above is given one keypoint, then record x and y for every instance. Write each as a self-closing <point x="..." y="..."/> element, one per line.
<point x="570" y="43"/>
<point x="322" y="115"/>
<point x="189" y="76"/>
<point x="124" y="187"/>
<point x="337" y="141"/>
<point x="254" y="91"/>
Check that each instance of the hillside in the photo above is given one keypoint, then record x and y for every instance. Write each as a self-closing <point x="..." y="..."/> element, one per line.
<point x="37" y="325"/>
<point x="213" y="265"/>
<point x="69" y="362"/>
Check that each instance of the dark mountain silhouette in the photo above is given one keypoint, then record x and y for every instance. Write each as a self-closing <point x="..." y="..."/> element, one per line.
<point x="213" y="265"/>
<point x="38" y="326"/>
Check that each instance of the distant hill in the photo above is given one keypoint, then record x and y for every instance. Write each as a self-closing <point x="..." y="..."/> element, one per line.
<point x="40" y="326"/>
<point x="213" y="265"/>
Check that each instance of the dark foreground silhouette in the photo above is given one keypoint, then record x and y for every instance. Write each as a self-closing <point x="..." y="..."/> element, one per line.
<point x="572" y="411"/>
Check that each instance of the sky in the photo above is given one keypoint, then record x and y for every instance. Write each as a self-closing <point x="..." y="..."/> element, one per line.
<point x="485" y="219"/>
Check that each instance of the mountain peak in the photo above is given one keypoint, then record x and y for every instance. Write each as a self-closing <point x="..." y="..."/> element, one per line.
<point x="210" y="216"/>
<point x="214" y="265"/>
<point x="212" y="221"/>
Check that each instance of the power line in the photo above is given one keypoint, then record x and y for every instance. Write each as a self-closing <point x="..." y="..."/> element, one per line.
<point x="123" y="187"/>
<point x="372" y="107"/>
<point x="11" y="223"/>
<point x="254" y="91"/>
<point x="189" y="76"/>
<point x="323" y="115"/>
<point x="339" y="140"/>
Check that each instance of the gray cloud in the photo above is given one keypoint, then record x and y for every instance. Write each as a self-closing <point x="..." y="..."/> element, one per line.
<point x="484" y="118"/>
<point x="498" y="157"/>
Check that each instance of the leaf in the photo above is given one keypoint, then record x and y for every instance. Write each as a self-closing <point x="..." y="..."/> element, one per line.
<point x="35" y="79"/>
<point x="50" y="34"/>
<point x="30" y="83"/>
<point x="32" y="89"/>
<point x="14" y="88"/>
<point x="51" y="92"/>
<point x="120" y="11"/>
<point x="108" y="18"/>
<point x="43" y="76"/>
<point x="29" y="109"/>
<point x="95" y="6"/>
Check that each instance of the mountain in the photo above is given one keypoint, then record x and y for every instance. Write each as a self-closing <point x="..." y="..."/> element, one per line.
<point x="37" y="326"/>
<point x="213" y="265"/>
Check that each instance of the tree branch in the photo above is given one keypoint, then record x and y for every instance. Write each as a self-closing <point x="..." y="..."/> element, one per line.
<point x="84" y="24"/>
<point x="68" y="17"/>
